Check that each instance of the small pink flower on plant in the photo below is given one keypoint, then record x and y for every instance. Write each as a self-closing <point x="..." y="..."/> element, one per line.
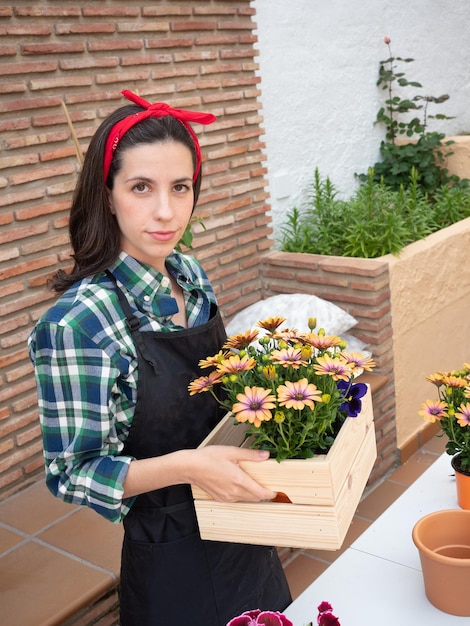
<point x="260" y="618"/>
<point x="387" y="39"/>
<point x="204" y="383"/>
<point x="234" y="364"/>
<point x="463" y="416"/>
<point x="297" y="395"/>
<point x="325" y="615"/>
<point x="288" y="357"/>
<point x="254" y="405"/>
<point x="338" y="369"/>
<point x="433" y="410"/>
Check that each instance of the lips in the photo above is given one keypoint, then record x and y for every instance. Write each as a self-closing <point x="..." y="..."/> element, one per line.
<point x="162" y="235"/>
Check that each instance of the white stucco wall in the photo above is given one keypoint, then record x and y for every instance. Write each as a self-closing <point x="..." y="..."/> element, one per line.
<point x="319" y="66"/>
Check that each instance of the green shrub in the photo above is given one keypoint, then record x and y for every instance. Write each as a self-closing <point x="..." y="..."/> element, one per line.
<point x="376" y="220"/>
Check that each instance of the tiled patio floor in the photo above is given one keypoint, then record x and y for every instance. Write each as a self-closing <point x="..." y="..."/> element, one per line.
<point x="59" y="564"/>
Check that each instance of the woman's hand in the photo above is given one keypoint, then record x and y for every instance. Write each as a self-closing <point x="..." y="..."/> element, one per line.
<point x="216" y="470"/>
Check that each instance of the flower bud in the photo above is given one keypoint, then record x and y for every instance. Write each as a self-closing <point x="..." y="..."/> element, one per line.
<point x="387" y="39"/>
<point x="312" y="322"/>
<point x="279" y="417"/>
<point x="269" y="372"/>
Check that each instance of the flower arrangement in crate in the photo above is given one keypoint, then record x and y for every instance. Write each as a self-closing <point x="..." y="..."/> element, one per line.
<point x="294" y="389"/>
<point x="451" y="411"/>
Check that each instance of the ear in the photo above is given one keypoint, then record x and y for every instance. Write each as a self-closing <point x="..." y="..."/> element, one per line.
<point x="110" y="201"/>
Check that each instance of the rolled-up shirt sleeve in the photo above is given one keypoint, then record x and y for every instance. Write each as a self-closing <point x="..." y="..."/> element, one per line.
<point x="85" y="396"/>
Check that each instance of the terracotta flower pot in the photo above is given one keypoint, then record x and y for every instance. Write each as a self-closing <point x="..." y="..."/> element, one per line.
<point x="443" y="541"/>
<point x="462" y="480"/>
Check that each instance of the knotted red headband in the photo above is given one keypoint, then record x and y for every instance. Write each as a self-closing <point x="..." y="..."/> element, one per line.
<point x="159" y="109"/>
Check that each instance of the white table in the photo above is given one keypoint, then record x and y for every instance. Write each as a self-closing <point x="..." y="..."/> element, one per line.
<point x="378" y="581"/>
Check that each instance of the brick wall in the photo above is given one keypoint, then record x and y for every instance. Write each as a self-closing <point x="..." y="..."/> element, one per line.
<point x="199" y="55"/>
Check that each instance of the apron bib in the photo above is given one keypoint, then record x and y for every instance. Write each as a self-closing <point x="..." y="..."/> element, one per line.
<point x="169" y="576"/>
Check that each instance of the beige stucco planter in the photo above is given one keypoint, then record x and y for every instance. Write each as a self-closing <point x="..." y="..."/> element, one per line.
<point x="459" y="161"/>
<point x="430" y="304"/>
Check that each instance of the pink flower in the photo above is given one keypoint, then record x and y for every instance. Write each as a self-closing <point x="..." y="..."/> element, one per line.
<point x="325" y="615"/>
<point x="387" y="39"/>
<point x="260" y="618"/>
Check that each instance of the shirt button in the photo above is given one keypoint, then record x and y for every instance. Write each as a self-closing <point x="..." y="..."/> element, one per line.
<point x="165" y="282"/>
<point x="147" y="298"/>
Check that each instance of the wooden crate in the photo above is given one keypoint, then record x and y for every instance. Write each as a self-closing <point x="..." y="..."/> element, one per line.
<point x="324" y="491"/>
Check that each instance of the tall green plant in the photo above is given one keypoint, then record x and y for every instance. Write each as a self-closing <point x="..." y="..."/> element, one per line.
<point x="408" y="117"/>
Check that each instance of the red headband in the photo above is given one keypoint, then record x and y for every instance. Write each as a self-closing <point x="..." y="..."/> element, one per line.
<point x="159" y="109"/>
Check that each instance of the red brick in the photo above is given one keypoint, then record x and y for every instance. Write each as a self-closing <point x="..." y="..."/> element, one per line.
<point x="195" y="26"/>
<point x="85" y="28"/>
<point x="30" y="68"/>
<point x="49" y="11"/>
<point x="25" y="30"/>
<point x="29" y="266"/>
<point x="52" y="48"/>
<point x="25" y="196"/>
<point x="88" y="63"/>
<point x="6" y="236"/>
<point x="169" y="43"/>
<point x="43" y="209"/>
<point x="61" y="82"/>
<point x="19" y="87"/>
<point x="41" y="174"/>
<point x="115" y="44"/>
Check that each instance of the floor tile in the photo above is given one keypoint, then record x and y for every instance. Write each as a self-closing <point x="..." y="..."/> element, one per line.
<point x="33" y="509"/>
<point x="9" y="539"/>
<point x="302" y="571"/>
<point x="407" y="473"/>
<point x="436" y="444"/>
<point x="72" y="534"/>
<point x="379" y="499"/>
<point x="40" y="587"/>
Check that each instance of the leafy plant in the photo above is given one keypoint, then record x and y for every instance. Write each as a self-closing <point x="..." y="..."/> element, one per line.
<point x="452" y="411"/>
<point x="409" y="116"/>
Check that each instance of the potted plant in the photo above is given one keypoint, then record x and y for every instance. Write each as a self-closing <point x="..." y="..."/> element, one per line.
<point x="294" y="389"/>
<point x="293" y="394"/>
<point x="451" y="411"/>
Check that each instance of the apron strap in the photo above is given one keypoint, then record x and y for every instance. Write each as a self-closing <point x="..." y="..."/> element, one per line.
<point x="132" y="322"/>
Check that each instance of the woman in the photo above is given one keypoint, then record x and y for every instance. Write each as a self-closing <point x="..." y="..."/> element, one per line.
<point x="113" y="359"/>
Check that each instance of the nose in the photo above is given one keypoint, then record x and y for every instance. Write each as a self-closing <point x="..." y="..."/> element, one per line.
<point x="163" y="206"/>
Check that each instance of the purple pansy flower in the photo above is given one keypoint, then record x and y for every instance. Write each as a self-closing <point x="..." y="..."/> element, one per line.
<point x="353" y="394"/>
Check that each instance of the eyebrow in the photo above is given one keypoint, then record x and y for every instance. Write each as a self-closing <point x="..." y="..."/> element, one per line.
<point x="146" y="179"/>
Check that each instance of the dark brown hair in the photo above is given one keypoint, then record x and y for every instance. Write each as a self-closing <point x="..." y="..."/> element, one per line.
<point x="94" y="232"/>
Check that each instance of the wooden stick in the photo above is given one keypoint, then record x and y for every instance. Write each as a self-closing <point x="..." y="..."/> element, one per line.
<point x="78" y="150"/>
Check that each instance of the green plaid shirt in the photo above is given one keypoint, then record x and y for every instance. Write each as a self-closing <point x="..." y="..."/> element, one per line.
<point x="86" y="373"/>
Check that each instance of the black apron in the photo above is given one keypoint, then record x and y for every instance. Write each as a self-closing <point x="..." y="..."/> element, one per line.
<point x="169" y="575"/>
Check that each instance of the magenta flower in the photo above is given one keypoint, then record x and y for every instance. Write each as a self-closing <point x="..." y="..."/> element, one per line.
<point x="325" y="615"/>
<point x="260" y="618"/>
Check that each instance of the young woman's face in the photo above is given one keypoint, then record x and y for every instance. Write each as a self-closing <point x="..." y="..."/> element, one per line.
<point x="152" y="199"/>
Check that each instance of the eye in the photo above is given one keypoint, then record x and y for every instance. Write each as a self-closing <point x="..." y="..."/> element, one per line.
<point x="181" y="187"/>
<point x="140" y="187"/>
